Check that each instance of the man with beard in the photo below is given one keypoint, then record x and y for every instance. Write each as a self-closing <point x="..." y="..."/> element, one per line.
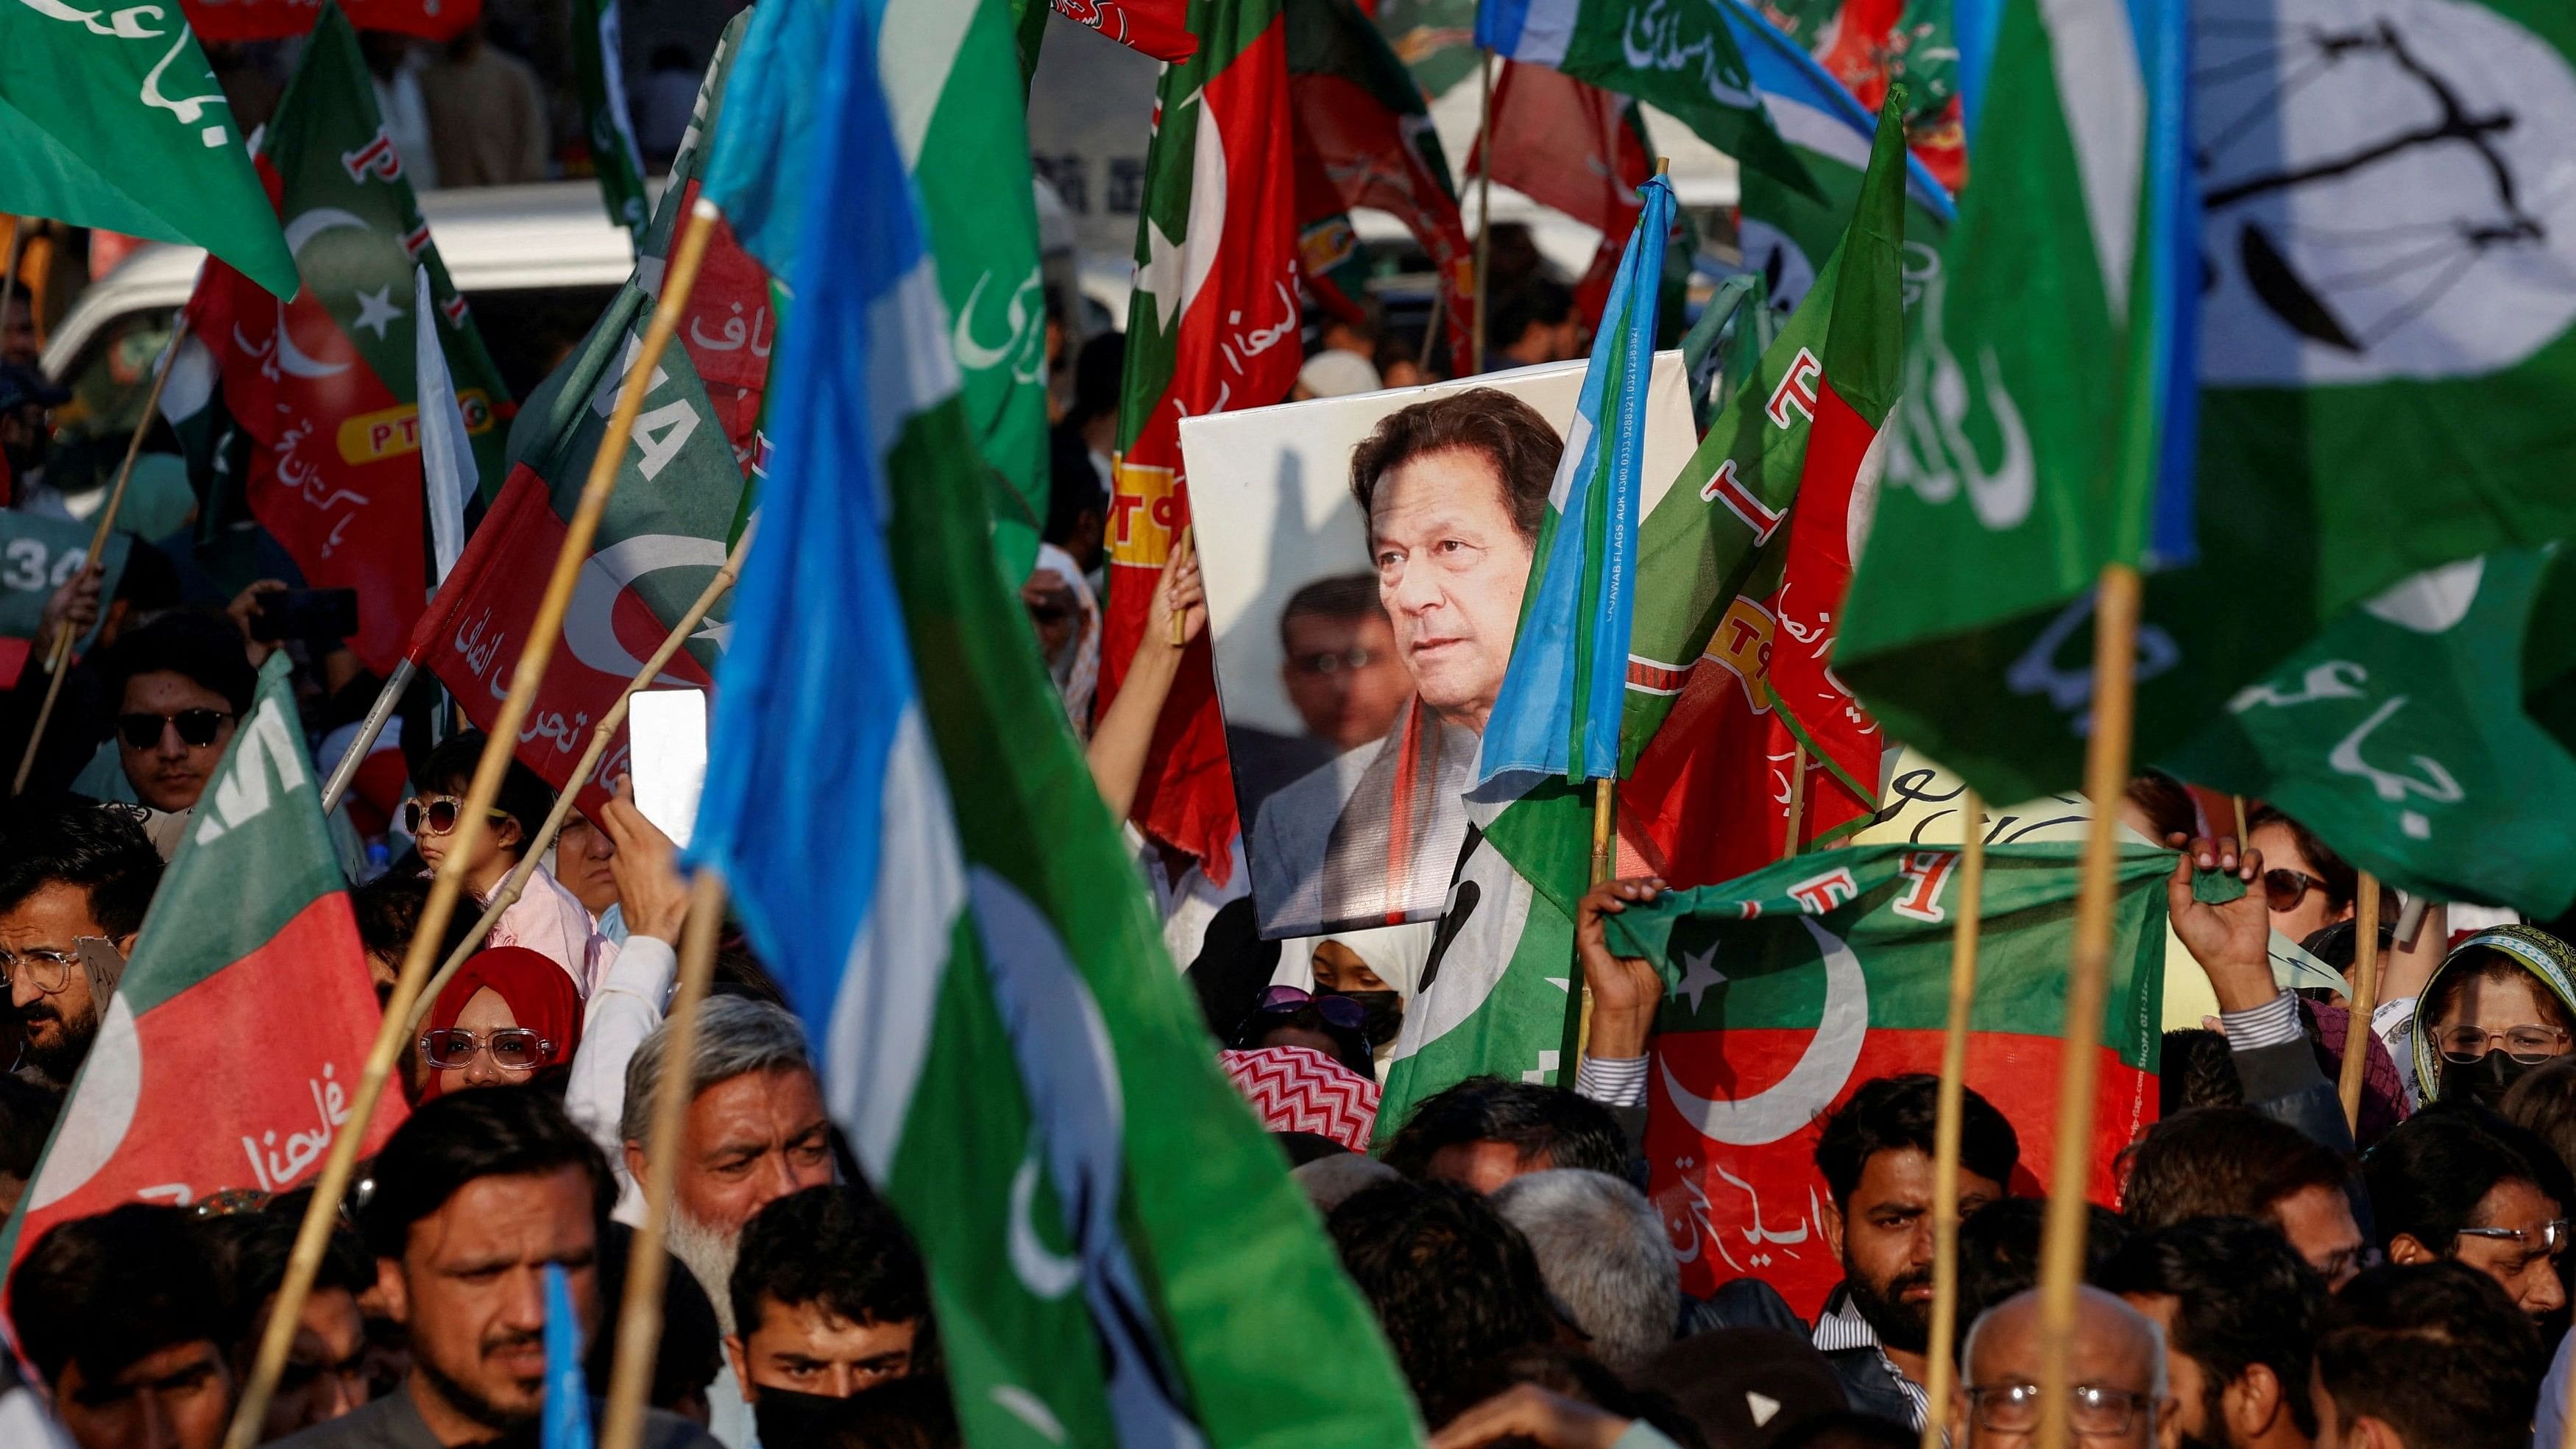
<point x="68" y="874"/>
<point x="755" y="1132"/>
<point x="2240" y="1309"/>
<point x="1876" y="1157"/>
<point x="477" y="1194"/>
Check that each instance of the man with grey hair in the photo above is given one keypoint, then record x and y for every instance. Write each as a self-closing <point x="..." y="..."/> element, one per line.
<point x="1604" y="1256"/>
<point x="2116" y="1364"/>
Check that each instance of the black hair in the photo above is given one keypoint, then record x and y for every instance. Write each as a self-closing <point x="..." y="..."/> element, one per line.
<point x="27" y="1115"/>
<point x="2544" y="1101"/>
<point x="1999" y="1252"/>
<point x="150" y="582"/>
<point x="835" y="1246"/>
<point x="690" y="1352"/>
<point x="1349" y="1046"/>
<point x="913" y="1412"/>
<point x="524" y="797"/>
<point x="1536" y="302"/>
<point x="452" y="1139"/>
<point x="2435" y="1351"/>
<point x="2199" y="1071"/>
<point x="2342" y="881"/>
<point x="1508" y="433"/>
<point x="248" y="1253"/>
<point x="1848" y="1429"/>
<point x="2222" y="1162"/>
<point x="2166" y="802"/>
<point x="206" y="648"/>
<point x="1336" y="596"/>
<point x="1454" y="1286"/>
<point x="1892" y="1114"/>
<point x="1570" y="1130"/>
<point x="1099" y="375"/>
<point x="100" y="848"/>
<point x="105" y="1291"/>
<point x="1584" y="1379"/>
<point x="2428" y="1175"/>
<point x="2243" y="1296"/>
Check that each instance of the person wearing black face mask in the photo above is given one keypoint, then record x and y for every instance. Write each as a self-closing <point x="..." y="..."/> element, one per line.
<point x="829" y="1300"/>
<point x="2501" y="1004"/>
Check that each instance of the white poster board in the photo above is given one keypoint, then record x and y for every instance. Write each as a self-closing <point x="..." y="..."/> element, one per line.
<point x="1274" y="515"/>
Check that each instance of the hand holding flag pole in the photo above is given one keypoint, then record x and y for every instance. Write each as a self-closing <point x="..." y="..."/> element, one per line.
<point x="58" y="661"/>
<point x="543" y="634"/>
<point x="1967" y="911"/>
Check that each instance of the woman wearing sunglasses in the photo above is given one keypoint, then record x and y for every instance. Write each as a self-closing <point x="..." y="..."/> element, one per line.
<point x="1294" y="1016"/>
<point x="546" y="918"/>
<point x="2502" y="1003"/>
<point x="508" y="1014"/>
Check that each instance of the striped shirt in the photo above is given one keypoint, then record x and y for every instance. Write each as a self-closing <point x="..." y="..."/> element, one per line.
<point x="1841" y="1326"/>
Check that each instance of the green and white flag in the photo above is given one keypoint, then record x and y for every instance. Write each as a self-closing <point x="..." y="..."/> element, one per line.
<point x="112" y="118"/>
<point x="2386" y="347"/>
<point x="598" y="71"/>
<point x="2399" y="736"/>
<point x="1114" y="1249"/>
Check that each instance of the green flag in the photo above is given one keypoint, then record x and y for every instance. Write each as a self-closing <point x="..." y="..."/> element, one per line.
<point x="600" y="79"/>
<point x="2399" y="736"/>
<point x="114" y="120"/>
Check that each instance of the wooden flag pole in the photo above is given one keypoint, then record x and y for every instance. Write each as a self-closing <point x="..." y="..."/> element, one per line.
<point x="517" y="880"/>
<point x="59" y="659"/>
<point x="1797" y="800"/>
<point x="2106" y="777"/>
<point x="1967" y="906"/>
<point x="449" y="883"/>
<point x="639" y="1318"/>
<point x="1484" y="195"/>
<point x="2364" y="999"/>
<point x="1180" y="617"/>
<point x="2242" y="839"/>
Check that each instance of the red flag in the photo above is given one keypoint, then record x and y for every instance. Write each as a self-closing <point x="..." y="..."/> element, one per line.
<point x="1212" y="325"/>
<point x="1160" y="28"/>
<point x="1814" y="710"/>
<point x="277" y="19"/>
<point x="1574" y="147"/>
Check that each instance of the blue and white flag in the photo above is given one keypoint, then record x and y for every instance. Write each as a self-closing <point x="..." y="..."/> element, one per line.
<point x="567" y="1412"/>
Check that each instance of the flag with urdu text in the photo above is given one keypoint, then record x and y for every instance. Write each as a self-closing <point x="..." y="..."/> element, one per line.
<point x="122" y="126"/>
<point x="1871" y="47"/>
<point x="1212" y="325"/>
<point x="198" y="1080"/>
<point x="1494" y="994"/>
<point x="2398" y="735"/>
<point x="599" y="80"/>
<point x="1114" y="1248"/>
<point x="680" y="497"/>
<point x="1363" y="137"/>
<point x="2372" y="402"/>
<point x="326" y="386"/>
<point x="1786" y="989"/>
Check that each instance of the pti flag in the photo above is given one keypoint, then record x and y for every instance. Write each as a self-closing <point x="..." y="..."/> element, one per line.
<point x="2372" y="403"/>
<point x="121" y="126"/>
<point x="1789" y="988"/>
<point x="952" y="912"/>
<point x="325" y="387"/>
<point x="1494" y="993"/>
<point x="1212" y="325"/>
<point x="1160" y="28"/>
<point x="2399" y="736"/>
<point x="1363" y="137"/>
<point x="229" y="1052"/>
<point x="1577" y="148"/>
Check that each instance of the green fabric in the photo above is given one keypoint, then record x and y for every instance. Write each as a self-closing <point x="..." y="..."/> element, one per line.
<point x="1683" y="59"/>
<point x="39" y="555"/>
<point x="2398" y="735"/>
<point x="599" y="82"/>
<point x="112" y="118"/>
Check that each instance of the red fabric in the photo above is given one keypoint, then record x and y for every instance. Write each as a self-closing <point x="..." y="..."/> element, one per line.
<point x="1844" y="743"/>
<point x="1299" y="1089"/>
<point x="1353" y="150"/>
<point x="541" y="995"/>
<point x="1160" y="28"/>
<point x="1568" y="145"/>
<point x="277" y="19"/>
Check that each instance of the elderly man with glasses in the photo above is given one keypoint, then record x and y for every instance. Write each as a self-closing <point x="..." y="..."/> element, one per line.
<point x="73" y="880"/>
<point x="2116" y="1365"/>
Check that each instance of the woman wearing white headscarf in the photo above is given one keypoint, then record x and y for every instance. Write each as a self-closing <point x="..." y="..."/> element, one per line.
<point x="1380" y="969"/>
<point x="1067" y="619"/>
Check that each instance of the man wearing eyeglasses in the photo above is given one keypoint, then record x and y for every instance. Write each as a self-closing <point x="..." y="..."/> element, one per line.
<point x="2116" y="1363"/>
<point x="182" y="684"/>
<point x="77" y="873"/>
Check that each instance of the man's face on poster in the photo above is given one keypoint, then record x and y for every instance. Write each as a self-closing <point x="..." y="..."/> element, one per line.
<point x="1342" y="676"/>
<point x="1450" y="570"/>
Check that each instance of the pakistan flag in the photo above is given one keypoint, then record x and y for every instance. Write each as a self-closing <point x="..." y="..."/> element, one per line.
<point x="2387" y="344"/>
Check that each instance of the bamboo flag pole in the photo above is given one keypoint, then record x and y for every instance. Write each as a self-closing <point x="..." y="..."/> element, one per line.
<point x="1484" y="194"/>
<point x="1797" y="800"/>
<point x="60" y="657"/>
<point x="517" y="880"/>
<point x="1180" y="617"/>
<point x="333" y="1181"/>
<point x="1967" y="909"/>
<point x="2364" y="999"/>
<point x="2106" y="777"/>
<point x="2241" y="838"/>
<point x="639" y="1318"/>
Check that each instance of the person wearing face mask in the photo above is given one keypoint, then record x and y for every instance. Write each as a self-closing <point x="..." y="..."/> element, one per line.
<point x="829" y="1301"/>
<point x="1378" y="969"/>
<point x="2500" y="1004"/>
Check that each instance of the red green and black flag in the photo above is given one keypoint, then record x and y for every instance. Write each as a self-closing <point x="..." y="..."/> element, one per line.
<point x="230" y="1051"/>
<point x="1363" y="138"/>
<point x="1789" y="988"/>
<point x="323" y="389"/>
<point x="1212" y="325"/>
<point x="680" y="498"/>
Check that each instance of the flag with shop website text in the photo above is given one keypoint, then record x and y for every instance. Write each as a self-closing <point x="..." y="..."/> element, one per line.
<point x="1212" y="325"/>
<point x="1787" y="989"/>
<point x="197" y="1081"/>
<point x="1114" y="1248"/>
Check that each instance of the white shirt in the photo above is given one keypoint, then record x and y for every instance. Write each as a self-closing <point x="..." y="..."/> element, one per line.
<point x="630" y="1001"/>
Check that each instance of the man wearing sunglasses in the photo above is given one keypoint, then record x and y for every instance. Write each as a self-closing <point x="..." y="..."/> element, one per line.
<point x="182" y="684"/>
<point x="71" y="874"/>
